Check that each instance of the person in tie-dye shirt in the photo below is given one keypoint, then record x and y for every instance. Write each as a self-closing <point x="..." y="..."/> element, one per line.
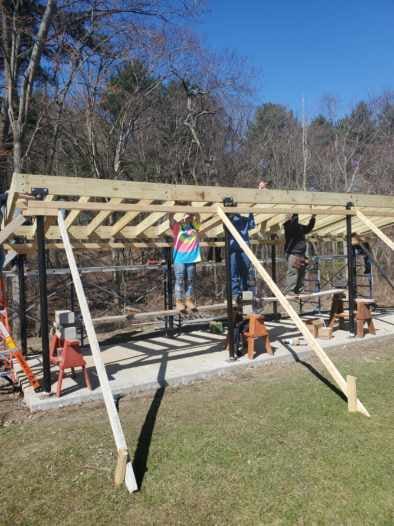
<point x="186" y="253"/>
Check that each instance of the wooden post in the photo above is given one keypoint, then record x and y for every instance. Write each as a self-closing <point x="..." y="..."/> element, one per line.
<point x="313" y="344"/>
<point x="351" y="394"/>
<point x="113" y="415"/>
<point x="120" y="470"/>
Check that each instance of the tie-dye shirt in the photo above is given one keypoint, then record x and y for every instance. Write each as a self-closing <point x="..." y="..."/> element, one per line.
<point x="186" y="243"/>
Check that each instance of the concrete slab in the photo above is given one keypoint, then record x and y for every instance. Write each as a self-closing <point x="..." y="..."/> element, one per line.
<point x="145" y="364"/>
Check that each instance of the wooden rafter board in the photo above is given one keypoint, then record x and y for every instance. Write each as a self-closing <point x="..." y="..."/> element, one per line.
<point x="125" y="213"/>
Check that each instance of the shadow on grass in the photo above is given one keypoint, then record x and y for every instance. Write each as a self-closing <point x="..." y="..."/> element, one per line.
<point x="316" y="373"/>
<point x="141" y="455"/>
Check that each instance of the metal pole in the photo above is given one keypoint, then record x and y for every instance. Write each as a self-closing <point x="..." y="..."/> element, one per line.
<point x="229" y="295"/>
<point x="72" y="297"/>
<point x="42" y="277"/>
<point x="350" y="269"/>
<point x="273" y="272"/>
<point x="20" y="260"/>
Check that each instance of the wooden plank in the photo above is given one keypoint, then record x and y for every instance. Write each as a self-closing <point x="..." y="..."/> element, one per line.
<point x="381" y="235"/>
<point x="120" y="471"/>
<point x="113" y="415"/>
<point x="11" y="228"/>
<point x="126" y="219"/>
<point x="189" y="209"/>
<point x="307" y="296"/>
<point x="100" y="217"/>
<point x="352" y="393"/>
<point x="115" y="206"/>
<point x="151" y="220"/>
<point x="74" y="214"/>
<point x="313" y="344"/>
<point x="135" y="315"/>
<point x="80" y="186"/>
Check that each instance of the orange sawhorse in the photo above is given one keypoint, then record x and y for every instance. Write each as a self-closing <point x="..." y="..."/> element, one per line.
<point x="67" y="355"/>
<point x="256" y="330"/>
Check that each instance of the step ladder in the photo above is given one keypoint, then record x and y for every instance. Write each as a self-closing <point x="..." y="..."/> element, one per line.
<point x="9" y="352"/>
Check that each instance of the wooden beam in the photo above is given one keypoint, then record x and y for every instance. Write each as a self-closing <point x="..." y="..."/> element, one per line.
<point x="307" y="296"/>
<point x="101" y="216"/>
<point x="81" y="186"/>
<point x="381" y="235"/>
<point x="11" y="228"/>
<point x="74" y="214"/>
<point x="313" y="344"/>
<point x="352" y="393"/>
<point x="120" y="471"/>
<point x="112" y="412"/>
<point x="126" y="219"/>
<point x="114" y="206"/>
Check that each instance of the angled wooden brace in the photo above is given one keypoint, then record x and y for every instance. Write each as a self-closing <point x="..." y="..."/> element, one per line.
<point x="113" y="415"/>
<point x="313" y="344"/>
<point x="11" y="227"/>
<point x="375" y="229"/>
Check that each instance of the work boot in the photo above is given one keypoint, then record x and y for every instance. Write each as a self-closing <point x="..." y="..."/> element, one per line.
<point x="180" y="306"/>
<point x="190" y="305"/>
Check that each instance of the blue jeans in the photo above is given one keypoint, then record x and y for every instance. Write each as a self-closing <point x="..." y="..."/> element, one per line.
<point x="184" y="280"/>
<point x="240" y="268"/>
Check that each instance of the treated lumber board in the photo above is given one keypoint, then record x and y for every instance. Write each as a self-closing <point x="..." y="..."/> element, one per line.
<point x="134" y="315"/>
<point x="126" y="219"/>
<point x="313" y="344"/>
<point x="10" y="229"/>
<point x="120" y="471"/>
<point x="115" y="206"/>
<point x="381" y="235"/>
<point x="101" y="216"/>
<point x="79" y="186"/>
<point x="352" y="393"/>
<point x="74" y="214"/>
<point x="113" y="415"/>
<point x="150" y="220"/>
<point x="306" y="296"/>
<point x="28" y="248"/>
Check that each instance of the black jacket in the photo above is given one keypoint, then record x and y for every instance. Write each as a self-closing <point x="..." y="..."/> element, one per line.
<point x="295" y="235"/>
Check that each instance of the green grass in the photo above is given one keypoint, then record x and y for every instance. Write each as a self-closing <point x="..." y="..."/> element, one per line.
<point x="271" y="446"/>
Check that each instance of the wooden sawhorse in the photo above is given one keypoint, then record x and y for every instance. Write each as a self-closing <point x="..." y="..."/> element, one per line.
<point x="364" y="315"/>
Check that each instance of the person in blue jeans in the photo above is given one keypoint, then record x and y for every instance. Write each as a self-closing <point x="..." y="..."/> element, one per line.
<point x="186" y="253"/>
<point x="239" y="262"/>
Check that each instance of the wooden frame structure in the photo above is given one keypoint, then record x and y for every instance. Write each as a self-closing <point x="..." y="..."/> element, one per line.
<point x="108" y="214"/>
<point x="80" y="213"/>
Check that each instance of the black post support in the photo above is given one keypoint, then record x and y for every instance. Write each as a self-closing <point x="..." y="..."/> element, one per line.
<point x="72" y="297"/>
<point x="168" y="291"/>
<point x="42" y="277"/>
<point x="20" y="260"/>
<point x="229" y="296"/>
<point x="273" y="271"/>
<point x="350" y="269"/>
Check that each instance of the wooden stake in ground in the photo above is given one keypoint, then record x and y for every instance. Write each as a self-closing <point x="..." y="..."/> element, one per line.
<point x="113" y="416"/>
<point x="375" y="229"/>
<point x="352" y="394"/>
<point x="313" y="344"/>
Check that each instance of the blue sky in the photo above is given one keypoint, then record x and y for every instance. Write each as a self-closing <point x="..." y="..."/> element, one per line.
<point x="309" y="48"/>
